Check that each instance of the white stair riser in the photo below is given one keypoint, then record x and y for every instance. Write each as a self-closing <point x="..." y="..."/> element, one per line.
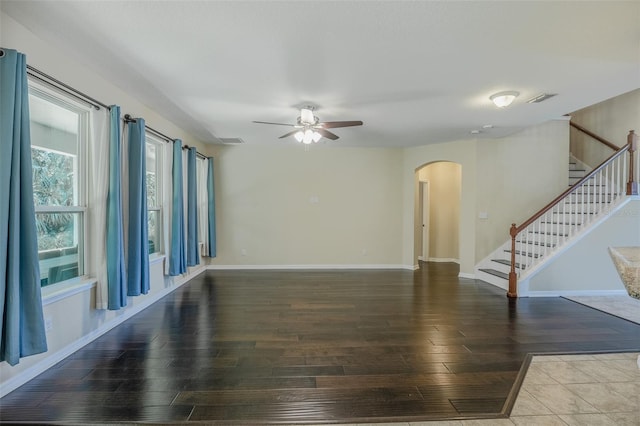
<point x="501" y="267"/>
<point x="492" y="279"/>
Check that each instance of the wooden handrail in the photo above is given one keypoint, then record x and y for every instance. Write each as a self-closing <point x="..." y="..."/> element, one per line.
<point x="546" y="208"/>
<point x="515" y="230"/>
<point x="594" y="136"/>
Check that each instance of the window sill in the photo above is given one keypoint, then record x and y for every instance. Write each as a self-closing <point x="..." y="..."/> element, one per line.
<point x="156" y="258"/>
<point x="56" y="292"/>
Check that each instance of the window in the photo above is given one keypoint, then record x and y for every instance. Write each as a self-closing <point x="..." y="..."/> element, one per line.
<point x="154" y="149"/>
<point x="59" y="133"/>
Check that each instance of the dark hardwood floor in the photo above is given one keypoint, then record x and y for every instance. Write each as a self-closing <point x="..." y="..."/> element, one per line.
<point x="315" y="347"/>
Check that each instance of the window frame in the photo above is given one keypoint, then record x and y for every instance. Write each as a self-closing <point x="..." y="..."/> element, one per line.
<point x="63" y="100"/>
<point x="157" y="209"/>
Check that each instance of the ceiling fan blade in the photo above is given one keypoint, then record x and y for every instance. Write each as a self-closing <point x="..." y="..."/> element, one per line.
<point x="334" y="124"/>
<point x="289" y="134"/>
<point x="277" y="124"/>
<point x="327" y="134"/>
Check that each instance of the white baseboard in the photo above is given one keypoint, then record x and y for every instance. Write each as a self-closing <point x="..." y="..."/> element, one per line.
<point x="466" y="275"/>
<point x="54" y="358"/>
<point x="574" y="293"/>
<point x="307" y="267"/>
<point x="443" y="259"/>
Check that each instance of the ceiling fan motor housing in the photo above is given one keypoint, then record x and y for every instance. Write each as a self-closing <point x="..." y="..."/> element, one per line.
<point x="307" y="117"/>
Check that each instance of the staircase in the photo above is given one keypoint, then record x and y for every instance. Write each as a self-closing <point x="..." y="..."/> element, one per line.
<point x="591" y="195"/>
<point x="537" y="243"/>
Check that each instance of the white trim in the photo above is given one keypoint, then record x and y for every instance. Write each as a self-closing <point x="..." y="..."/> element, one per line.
<point x="56" y="292"/>
<point x="443" y="259"/>
<point x="156" y="258"/>
<point x="572" y="293"/>
<point x="466" y="275"/>
<point x="295" y="267"/>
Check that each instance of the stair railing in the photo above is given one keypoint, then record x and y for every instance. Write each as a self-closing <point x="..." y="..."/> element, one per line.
<point x="558" y="221"/>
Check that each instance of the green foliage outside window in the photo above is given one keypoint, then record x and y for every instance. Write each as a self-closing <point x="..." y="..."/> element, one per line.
<point x="53" y="185"/>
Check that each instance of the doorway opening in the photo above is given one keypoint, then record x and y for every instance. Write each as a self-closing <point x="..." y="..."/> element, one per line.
<point x="437" y="218"/>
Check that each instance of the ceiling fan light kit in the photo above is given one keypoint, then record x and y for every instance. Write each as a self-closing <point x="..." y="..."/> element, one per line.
<point x="310" y="129"/>
<point x="307" y="136"/>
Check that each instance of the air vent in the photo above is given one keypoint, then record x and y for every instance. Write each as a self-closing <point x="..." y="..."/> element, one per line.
<point x="231" y="141"/>
<point x="541" y="97"/>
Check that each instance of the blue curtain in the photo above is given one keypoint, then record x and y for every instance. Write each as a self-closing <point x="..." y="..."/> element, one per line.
<point x="116" y="276"/>
<point x="211" y="200"/>
<point x="138" y="244"/>
<point x="193" y="257"/>
<point x="21" y="318"/>
<point x="178" y="254"/>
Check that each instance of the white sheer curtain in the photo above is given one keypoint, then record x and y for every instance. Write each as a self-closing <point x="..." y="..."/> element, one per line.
<point x="203" y="206"/>
<point x="167" y="196"/>
<point x="98" y="181"/>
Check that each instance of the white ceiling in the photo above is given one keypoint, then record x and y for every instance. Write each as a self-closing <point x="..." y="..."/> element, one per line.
<point x="416" y="72"/>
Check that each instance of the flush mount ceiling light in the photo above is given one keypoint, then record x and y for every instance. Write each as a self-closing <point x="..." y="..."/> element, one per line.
<point x="503" y="99"/>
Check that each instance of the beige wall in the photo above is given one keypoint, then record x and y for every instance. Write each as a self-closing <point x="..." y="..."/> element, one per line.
<point x="463" y="153"/>
<point x="508" y="179"/>
<point x="286" y="206"/>
<point x="516" y="176"/>
<point x="612" y="120"/>
<point x="445" y="185"/>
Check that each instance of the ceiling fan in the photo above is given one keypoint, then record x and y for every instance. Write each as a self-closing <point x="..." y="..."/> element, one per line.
<point x="309" y="128"/>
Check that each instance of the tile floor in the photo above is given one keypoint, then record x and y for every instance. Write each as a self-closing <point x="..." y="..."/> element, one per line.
<point x="576" y="390"/>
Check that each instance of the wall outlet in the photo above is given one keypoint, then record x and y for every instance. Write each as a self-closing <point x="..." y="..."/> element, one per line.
<point x="243" y="252"/>
<point x="48" y="324"/>
<point x="364" y="252"/>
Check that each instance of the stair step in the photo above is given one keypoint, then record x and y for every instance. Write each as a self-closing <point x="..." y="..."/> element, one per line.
<point x="518" y="252"/>
<point x="535" y="243"/>
<point x="506" y="262"/>
<point x="555" y="234"/>
<point x="556" y="212"/>
<point x="587" y="204"/>
<point x="496" y="273"/>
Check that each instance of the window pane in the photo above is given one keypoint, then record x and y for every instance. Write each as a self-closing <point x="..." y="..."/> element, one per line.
<point x="152" y="186"/>
<point x="154" y="231"/>
<point x="59" y="241"/>
<point x="53" y="178"/>
<point x="54" y="141"/>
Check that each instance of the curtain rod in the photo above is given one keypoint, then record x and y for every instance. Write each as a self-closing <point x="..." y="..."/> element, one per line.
<point x="204" y="157"/>
<point x="128" y="119"/>
<point x="46" y="78"/>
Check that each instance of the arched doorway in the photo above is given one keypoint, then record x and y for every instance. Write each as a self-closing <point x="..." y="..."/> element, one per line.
<point x="437" y="224"/>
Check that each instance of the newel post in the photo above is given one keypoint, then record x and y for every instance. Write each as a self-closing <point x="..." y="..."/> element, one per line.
<point x="632" y="185"/>
<point x="513" y="278"/>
